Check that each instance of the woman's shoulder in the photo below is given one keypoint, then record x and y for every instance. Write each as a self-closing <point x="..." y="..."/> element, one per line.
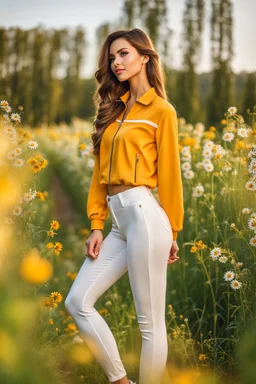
<point x="164" y="107"/>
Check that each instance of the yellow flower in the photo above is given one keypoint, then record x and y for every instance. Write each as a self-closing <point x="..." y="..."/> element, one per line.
<point x="212" y="128"/>
<point x="240" y="145"/>
<point x="40" y="196"/>
<point x="55" y="224"/>
<point x="50" y="233"/>
<point x="193" y="249"/>
<point x="209" y="135"/>
<point x="189" y="141"/>
<point x="82" y="147"/>
<point x="31" y="161"/>
<point x="50" y="304"/>
<point x="57" y="247"/>
<point x="200" y="244"/>
<point x="36" y="168"/>
<point x="103" y="311"/>
<point x="202" y="357"/>
<point x="181" y="317"/>
<point x="35" y="269"/>
<point x="57" y="297"/>
<point x="71" y="275"/>
<point x="51" y="321"/>
<point x="71" y="328"/>
<point x="49" y="245"/>
<point x="223" y="121"/>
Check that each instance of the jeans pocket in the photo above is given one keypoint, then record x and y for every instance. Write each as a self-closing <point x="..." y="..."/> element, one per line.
<point x="164" y="218"/>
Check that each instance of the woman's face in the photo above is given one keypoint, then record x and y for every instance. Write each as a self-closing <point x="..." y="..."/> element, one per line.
<point x="125" y="60"/>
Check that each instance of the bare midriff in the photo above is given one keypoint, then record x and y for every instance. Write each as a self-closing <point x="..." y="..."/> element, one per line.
<point x="116" y="188"/>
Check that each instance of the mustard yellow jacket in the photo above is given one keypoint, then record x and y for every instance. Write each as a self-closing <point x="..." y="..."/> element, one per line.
<point x="140" y="150"/>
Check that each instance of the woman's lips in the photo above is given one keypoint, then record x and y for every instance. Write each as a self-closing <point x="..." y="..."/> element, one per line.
<point x="119" y="71"/>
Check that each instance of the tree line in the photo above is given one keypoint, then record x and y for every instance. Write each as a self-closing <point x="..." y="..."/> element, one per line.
<point x="40" y="68"/>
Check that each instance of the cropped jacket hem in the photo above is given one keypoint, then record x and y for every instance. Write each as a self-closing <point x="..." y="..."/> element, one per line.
<point x="141" y="149"/>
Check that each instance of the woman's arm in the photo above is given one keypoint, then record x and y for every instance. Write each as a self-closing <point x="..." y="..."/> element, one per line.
<point x="170" y="190"/>
<point x="97" y="208"/>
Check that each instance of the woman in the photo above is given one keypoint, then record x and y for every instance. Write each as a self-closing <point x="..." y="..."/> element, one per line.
<point x="136" y="149"/>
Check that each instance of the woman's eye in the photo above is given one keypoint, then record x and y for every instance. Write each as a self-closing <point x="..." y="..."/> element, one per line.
<point x="112" y="58"/>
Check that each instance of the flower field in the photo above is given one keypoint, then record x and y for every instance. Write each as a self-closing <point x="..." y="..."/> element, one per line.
<point x="210" y="302"/>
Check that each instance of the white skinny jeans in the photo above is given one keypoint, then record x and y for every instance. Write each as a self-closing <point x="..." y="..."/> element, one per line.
<point x="139" y="241"/>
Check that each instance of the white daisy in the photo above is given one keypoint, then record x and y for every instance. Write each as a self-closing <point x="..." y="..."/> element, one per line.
<point x="18" y="162"/>
<point x="223" y="259"/>
<point x="251" y="154"/>
<point x="8" y="109"/>
<point x="200" y="127"/>
<point x="232" y="110"/>
<point x="239" y="264"/>
<point x="215" y="253"/>
<point x="207" y="153"/>
<point x="229" y="275"/>
<point x="208" y="167"/>
<point x="199" y="165"/>
<point x="32" y="144"/>
<point x="15" y="117"/>
<point x="253" y="215"/>
<point x="253" y="241"/>
<point x="4" y="103"/>
<point x="228" y="136"/>
<point x="17" y="210"/>
<point x="243" y="132"/>
<point x="186" y="157"/>
<point x="28" y="196"/>
<point x="252" y="223"/>
<point x="6" y="117"/>
<point x="17" y="151"/>
<point x="11" y="155"/>
<point x="185" y="149"/>
<point x="188" y="174"/>
<point x="235" y="284"/>
<point x="234" y="172"/>
<point x="186" y="166"/>
<point x="198" y="191"/>
<point x="250" y="185"/>
<point x="246" y="211"/>
<point x="219" y="150"/>
<point x="208" y="144"/>
<point x="8" y="220"/>
<point x="10" y="130"/>
<point x="227" y="168"/>
<point x="252" y="166"/>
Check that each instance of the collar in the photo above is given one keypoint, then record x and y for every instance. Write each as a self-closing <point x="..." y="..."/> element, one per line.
<point x="145" y="99"/>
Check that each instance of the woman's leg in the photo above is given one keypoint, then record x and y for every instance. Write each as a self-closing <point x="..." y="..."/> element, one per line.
<point x="149" y="241"/>
<point x="93" y="279"/>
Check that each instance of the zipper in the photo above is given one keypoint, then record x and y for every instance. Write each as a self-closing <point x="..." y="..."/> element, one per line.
<point x="136" y="163"/>
<point x="110" y="164"/>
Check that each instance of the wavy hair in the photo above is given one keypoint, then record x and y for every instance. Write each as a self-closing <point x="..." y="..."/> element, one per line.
<point x="109" y="89"/>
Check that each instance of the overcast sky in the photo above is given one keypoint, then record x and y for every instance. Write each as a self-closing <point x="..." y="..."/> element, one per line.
<point x="91" y="13"/>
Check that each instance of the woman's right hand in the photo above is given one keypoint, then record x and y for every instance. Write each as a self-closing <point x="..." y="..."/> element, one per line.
<point x="93" y="243"/>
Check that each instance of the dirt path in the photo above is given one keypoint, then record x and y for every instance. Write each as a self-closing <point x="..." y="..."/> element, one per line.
<point x="63" y="208"/>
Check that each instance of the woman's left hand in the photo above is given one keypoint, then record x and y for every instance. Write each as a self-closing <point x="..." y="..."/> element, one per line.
<point x="173" y="253"/>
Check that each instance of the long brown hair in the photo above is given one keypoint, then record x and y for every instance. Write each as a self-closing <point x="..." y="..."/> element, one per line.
<point x="109" y="89"/>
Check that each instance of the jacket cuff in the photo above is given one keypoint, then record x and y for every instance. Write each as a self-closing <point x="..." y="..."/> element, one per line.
<point x="97" y="224"/>
<point x="175" y="234"/>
